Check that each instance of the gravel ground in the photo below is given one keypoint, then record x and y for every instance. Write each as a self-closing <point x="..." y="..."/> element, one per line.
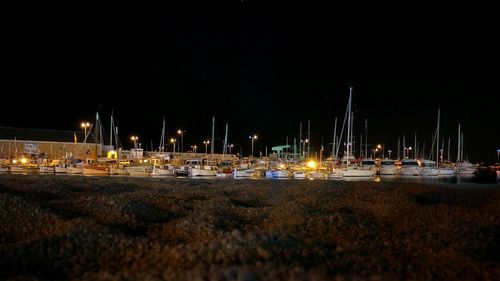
<point x="89" y="228"/>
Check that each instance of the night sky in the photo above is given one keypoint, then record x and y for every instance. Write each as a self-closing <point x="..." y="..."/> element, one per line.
<point x="262" y="69"/>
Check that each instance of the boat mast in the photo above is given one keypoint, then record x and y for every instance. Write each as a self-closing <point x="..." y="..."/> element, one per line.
<point x="111" y="131"/>
<point x="162" y="138"/>
<point x="349" y="126"/>
<point x="225" y="143"/>
<point x="300" y="139"/>
<point x="458" y="151"/>
<point x="365" y="154"/>
<point x="334" y="138"/>
<point x="449" y="149"/>
<point x="213" y="132"/>
<point x="437" y="137"/>
<point x="308" y="137"/>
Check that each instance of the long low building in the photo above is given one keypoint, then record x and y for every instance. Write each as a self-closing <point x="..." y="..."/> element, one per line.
<point x="52" y="144"/>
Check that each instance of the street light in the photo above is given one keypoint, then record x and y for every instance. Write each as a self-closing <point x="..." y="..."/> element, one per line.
<point x="230" y="146"/>
<point x="206" y="142"/>
<point x="193" y="148"/>
<point x="172" y="140"/>
<point x="379" y="147"/>
<point x="409" y="151"/>
<point x="85" y="125"/>
<point x="181" y="132"/>
<point x="304" y="147"/>
<point x="252" y="138"/>
<point x="498" y="153"/>
<point x="389" y="153"/>
<point x="134" y="139"/>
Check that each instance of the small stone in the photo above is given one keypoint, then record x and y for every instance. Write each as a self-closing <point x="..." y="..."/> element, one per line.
<point x="263" y="253"/>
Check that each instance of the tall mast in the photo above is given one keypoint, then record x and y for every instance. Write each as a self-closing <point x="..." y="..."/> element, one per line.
<point x="334" y="138"/>
<point x="365" y="154"/>
<point x="225" y="142"/>
<point x="399" y="146"/>
<point x="448" y="154"/>
<point x="360" y="145"/>
<point x="162" y="137"/>
<point x="404" y="147"/>
<point x="213" y="132"/>
<point x="300" y="139"/>
<point x="415" y="147"/>
<point x="349" y="126"/>
<point x="462" y="147"/>
<point x="437" y="137"/>
<point x="458" y="151"/>
<point x="308" y="137"/>
<point x="96" y="133"/>
<point x="111" y="131"/>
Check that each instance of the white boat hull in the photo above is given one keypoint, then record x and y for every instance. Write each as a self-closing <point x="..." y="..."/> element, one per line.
<point x="245" y="173"/>
<point x="197" y="172"/>
<point x="446" y="172"/>
<point x="388" y="171"/>
<point x="74" y="170"/>
<point x="317" y="175"/>
<point x="410" y="171"/>
<point x="281" y="174"/>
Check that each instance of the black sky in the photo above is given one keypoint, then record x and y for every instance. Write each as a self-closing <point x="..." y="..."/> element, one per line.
<point x="262" y="69"/>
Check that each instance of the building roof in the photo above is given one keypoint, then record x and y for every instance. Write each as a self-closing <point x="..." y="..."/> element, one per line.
<point x="28" y="134"/>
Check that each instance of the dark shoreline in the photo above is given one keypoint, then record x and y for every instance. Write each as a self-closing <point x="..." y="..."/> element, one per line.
<point x="93" y="228"/>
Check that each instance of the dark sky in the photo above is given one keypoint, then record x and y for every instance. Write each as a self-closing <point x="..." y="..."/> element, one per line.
<point x="262" y="69"/>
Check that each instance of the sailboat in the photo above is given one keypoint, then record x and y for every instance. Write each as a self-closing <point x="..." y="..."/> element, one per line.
<point x="225" y="168"/>
<point x="463" y="167"/>
<point x="95" y="167"/>
<point x="348" y="169"/>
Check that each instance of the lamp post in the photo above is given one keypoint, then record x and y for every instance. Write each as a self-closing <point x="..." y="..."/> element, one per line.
<point x="304" y="147"/>
<point x="134" y="139"/>
<point x="230" y="146"/>
<point x="85" y="125"/>
<point x="498" y="153"/>
<point x="181" y="133"/>
<point x="254" y="137"/>
<point x="172" y="140"/>
<point x="409" y="151"/>
<point x="379" y="147"/>
<point x="206" y="142"/>
<point x="193" y="148"/>
<point x="389" y="153"/>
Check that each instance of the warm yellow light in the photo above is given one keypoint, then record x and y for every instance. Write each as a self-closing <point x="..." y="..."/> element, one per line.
<point x="172" y="140"/>
<point x="379" y="146"/>
<point x="312" y="164"/>
<point x="23" y="160"/>
<point x="111" y="154"/>
<point x="255" y="137"/>
<point x="307" y="140"/>
<point x="179" y="132"/>
<point x="14" y="161"/>
<point x="282" y="166"/>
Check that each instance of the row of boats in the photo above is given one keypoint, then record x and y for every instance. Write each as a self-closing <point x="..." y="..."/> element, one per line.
<point x="157" y="167"/>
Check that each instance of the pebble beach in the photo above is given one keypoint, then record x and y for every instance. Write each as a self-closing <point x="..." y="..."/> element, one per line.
<point x="112" y="228"/>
